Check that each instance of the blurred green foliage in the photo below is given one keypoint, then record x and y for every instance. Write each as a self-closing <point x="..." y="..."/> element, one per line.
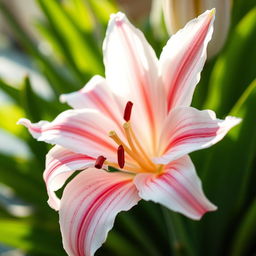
<point x="75" y="30"/>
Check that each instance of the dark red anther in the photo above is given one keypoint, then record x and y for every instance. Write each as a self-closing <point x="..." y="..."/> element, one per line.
<point x="99" y="162"/>
<point x="120" y="156"/>
<point x="128" y="111"/>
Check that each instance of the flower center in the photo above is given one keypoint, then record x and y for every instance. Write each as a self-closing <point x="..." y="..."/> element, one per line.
<point x="141" y="162"/>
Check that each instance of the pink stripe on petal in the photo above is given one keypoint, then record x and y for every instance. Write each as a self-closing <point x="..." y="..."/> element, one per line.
<point x="35" y="129"/>
<point x="83" y="131"/>
<point x="178" y="188"/>
<point x="89" y="206"/>
<point x="191" y="135"/>
<point x="188" y="129"/>
<point x="96" y="94"/>
<point x="186" y="195"/>
<point x="183" y="58"/>
<point x="74" y="130"/>
<point x="60" y="165"/>
<point x="93" y="209"/>
<point x="132" y="72"/>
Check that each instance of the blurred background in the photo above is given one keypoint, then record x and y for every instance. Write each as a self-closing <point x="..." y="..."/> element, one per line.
<point x="50" y="47"/>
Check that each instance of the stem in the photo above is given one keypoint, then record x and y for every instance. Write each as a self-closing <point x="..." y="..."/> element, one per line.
<point x="179" y="242"/>
<point x="172" y="236"/>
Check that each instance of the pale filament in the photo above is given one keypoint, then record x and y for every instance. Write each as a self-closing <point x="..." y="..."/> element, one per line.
<point x="140" y="157"/>
<point x="130" y="138"/>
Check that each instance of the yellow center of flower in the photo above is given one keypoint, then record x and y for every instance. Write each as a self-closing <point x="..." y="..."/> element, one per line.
<point x="141" y="162"/>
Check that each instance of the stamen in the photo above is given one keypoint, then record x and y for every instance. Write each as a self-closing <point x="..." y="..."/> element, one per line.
<point x="120" y="156"/>
<point x="139" y="145"/>
<point x="136" y="157"/>
<point x="99" y="162"/>
<point x="114" y="136"/>
<point x="128" y="111"/>
<point x="131" y="138"/>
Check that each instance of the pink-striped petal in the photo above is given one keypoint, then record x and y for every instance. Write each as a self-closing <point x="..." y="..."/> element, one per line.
<point x="132" y="72"/>
<point x="61" y="163"/>
<point x="89" y="206"/>
<point x="177" y="188"/>
<point x="183" y="58"/>
<point x="82" y="131"/>
<point x="96" y="94"/>
<point x="188" y="129"/>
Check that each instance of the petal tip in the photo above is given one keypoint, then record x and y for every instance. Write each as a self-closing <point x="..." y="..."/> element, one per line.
<point x="209" y="13"/>
<point x="233" y="121"/>
<point x="23" y="121"/>
<point x="63" y="98"/>
<point x="212" y="12"/>
<point x="211" y="208"/>
<point x="55" y="205"/>
<point x="117" y="18"/>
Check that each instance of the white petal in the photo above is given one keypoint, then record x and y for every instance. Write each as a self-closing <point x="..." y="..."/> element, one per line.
<point x="221" y="24"/>
<point x="132" y="72"/>
<point x="89" y="206"/>
<point x="177" y="188"/>
<point x="82" y="131"/>
<point x="61" y="163"/>
<point x="183" y="58"/>
<point x="96" y="94"/>
<point x="188" y="129"/>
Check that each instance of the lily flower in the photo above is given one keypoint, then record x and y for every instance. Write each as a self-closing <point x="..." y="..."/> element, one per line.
<point x="138" y="120"/>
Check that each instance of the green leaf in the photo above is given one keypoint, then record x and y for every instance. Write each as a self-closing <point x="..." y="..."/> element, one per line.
<point x="33" y="112"/>
<point x="235" y="68"/>
<point x="29" y="102"/>
<point x="60" y="49"/>
<point x="74" y="43"/>
<point x="9" y="115"/>
<point x="102" y="9"/>
<point x="81" y="14"/>
<point x="10" y="91"/>
<point x="179" y="236"/>
<point x="15" y="173"/>
<point x="61" y="82"/>
<point x="29" y="237"/>
<point x="243" y="109"/>
<point x="226" y="174"/>
<point x="246" y="232"/>
<point x="134" y="227"/>
<point x="119" y="245"/>
<point x="240" y="9"/>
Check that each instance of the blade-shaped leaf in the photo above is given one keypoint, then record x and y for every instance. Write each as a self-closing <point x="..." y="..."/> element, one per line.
<point x="61" y="82"/>
<point x="227" y="171"/>
<point x="246" y="233"/>
<point x="10" y="91"/>
<point x="73" y="41"/>
<point x="30" y="237"/>
<point x="29" y="102"/>
<point x="235" y="68"/>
